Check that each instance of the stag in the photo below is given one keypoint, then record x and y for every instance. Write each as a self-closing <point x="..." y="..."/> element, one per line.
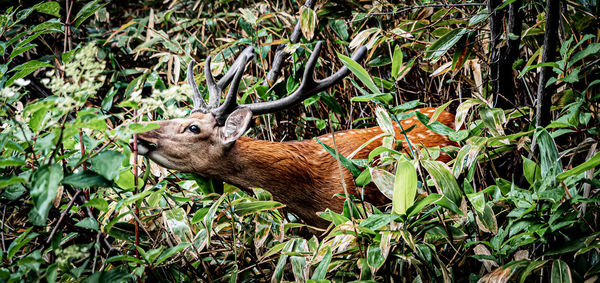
<point x="300" y="174"/>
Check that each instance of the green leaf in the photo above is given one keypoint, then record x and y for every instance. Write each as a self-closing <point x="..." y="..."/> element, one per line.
<point x="321" y="270"/>
<point x="20" y="242"/>
<point x="247" y="208"/>
<point x="86" y="179"/>
<point x="6" y="181"/>
<point x="170" y="252"/>
<point x="44" y="186"/>
<point x="359" y="72"/>
<point x="107" y="164"/>
<point x="493" y="119"/>
<point x="375" y="257"/>
<point x="50" y="8"/>
<point x="405" y="186"/>
<point x="376" y="221"/>
<point x="397" y="59"/>
<point x="587" y="165"/>
<point x="444" y="43"/>
<point x="11" y="161"/>
<point x="113" y="275"/>
<point x="308" y="22"/>
<point x="593" y="48"/>
<point x="433" y="199"/>
<point x="347" y="163"/>
<point x="26" y="69"/>
<point x="549" y="160"/>
<point x="88" y="223"/>
<point x="436" y="126"/>
<point x="560" y="272"/>
<point x="21" y="49"/>
<point x="86" y="11"/>
<point x="444" y="180"/>
<point x="531" y="170"/>
<point x="331" y="216"/>
<point x="98" y="203"/>
<point x="340" y="28"/>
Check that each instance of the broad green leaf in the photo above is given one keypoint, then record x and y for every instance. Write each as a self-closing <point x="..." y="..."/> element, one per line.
<point x="439" y="111"/>
<point x="98" y="203"/>
<point x="376" y="221"/>
<point x="26" y="69"/>
<point x="86" y="11"/>
<point x="462" y="110"/>
<point x="359" y="72"/>
<point x="86" y="179"/>
<point x="587" y="165"/>
<point x="486" y="220"/>
<point x="11" y="161"/>
<point x="384" y="181"/>
<point x="6" y="181"/>
<point x="375" y="258"/>
<point x="405" y="186"/>
<point x="50" y="8"/>
<point x="436" y="126"/>
<point x="170" y="252"/>
<point x="107" y="164"/>
<point x="20" y="242"/>
<point x="384" y="121"/>
<point x="444" y="180"/>
<point x="340" y="28"/>
<point x="176" y="220"/>
<point x="533" y="265"/>
<point x="308" y="22"/>
<point x="444" y="43"/>
<point x="321" y="270"/>
<point x="493" y="118"/>
<point x="561" y="272"/>
<point x="44" y="186"/>
<point x="531" y="170"/>
<point x="397" y="59"/>
<point x="247" y="208"/>
<point x="593" y="48"/>
<point x="88" y="223"/>
<point x="550" y="163"/>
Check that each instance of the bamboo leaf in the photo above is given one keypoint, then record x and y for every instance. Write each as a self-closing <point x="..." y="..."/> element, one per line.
<point x="405" y="186"/>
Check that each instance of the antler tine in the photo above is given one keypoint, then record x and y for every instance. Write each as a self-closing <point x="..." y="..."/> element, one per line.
<point x="309" y="86"/>
<point x="230" y="103"/>
<point x="224" y="81"/>
<point x="214" y="91"/>
<point x="198" y="100"/>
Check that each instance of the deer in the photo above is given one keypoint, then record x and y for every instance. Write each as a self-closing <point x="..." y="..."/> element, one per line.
<point x="299" y="174"/>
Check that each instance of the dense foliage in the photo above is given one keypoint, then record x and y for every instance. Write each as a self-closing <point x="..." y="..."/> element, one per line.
<point x="519" y="200"/>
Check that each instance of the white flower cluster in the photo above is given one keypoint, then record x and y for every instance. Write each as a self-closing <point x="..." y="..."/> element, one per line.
<point x="7" y="93"/>
<point x="159" y="99"/>
<point x="83" y="77"/>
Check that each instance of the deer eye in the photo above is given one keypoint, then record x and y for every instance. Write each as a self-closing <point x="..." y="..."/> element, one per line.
<point x="194" y="129"/>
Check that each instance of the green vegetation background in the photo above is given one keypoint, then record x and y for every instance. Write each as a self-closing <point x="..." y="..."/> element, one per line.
<point x="518" y="202"/>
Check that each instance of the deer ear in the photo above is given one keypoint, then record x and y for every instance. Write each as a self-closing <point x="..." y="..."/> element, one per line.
<point x="235" y="125"/>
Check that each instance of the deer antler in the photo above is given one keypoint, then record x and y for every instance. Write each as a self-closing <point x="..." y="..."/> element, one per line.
<point x="215" y="89"/>
<point x="307" y="88"/>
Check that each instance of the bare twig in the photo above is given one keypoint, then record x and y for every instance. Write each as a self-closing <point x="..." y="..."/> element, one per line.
<point x="62" y="216"/>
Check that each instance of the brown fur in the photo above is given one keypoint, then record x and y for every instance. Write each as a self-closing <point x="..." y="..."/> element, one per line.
<point x="300" y="174"/>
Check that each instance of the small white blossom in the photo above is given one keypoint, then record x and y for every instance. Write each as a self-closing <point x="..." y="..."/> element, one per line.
<point x="22" y="82"/>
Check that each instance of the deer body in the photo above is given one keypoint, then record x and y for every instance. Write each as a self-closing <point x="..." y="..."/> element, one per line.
<point x="300" y="174"/>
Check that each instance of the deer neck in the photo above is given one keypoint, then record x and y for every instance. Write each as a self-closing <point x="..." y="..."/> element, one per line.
<point x="269" y="165"/>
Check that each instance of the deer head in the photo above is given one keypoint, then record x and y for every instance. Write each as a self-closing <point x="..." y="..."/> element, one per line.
<point x="199" y="142"/>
